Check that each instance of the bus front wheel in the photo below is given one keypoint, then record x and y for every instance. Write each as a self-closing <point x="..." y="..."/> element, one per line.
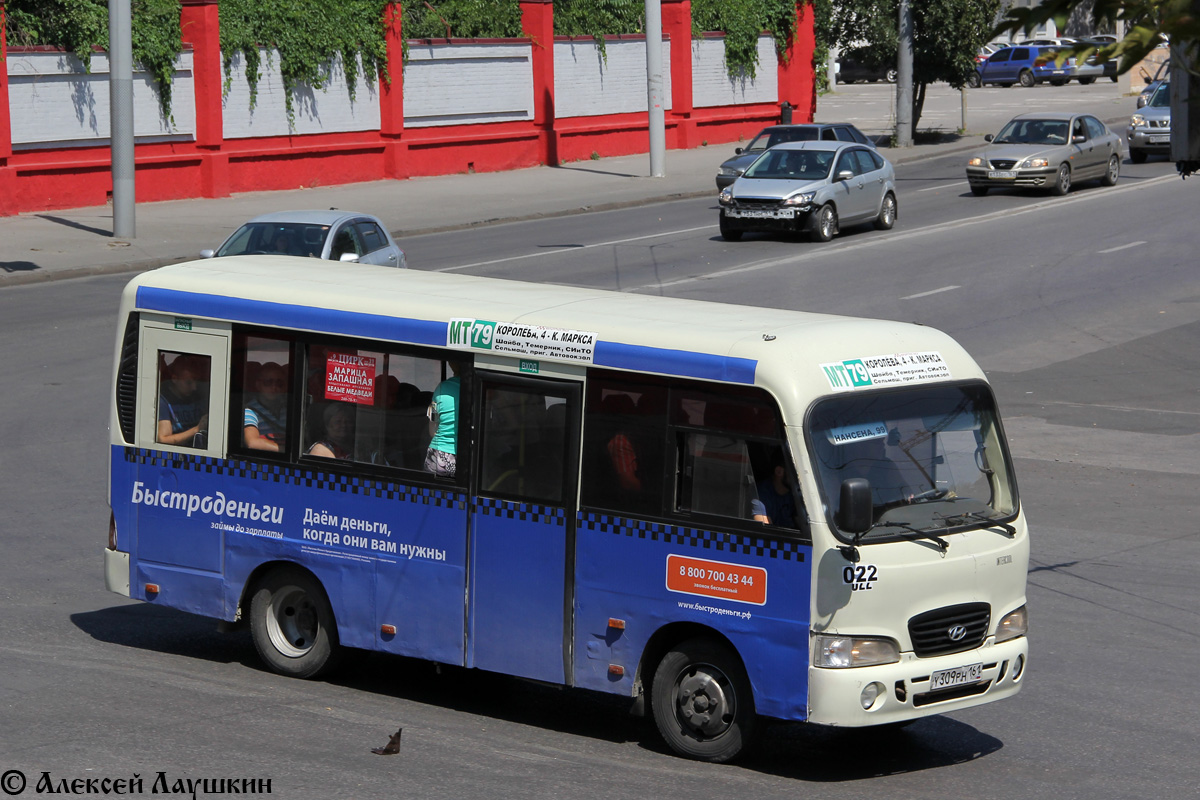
<point x="292" y="624"/>
<point x="702" y="701"/>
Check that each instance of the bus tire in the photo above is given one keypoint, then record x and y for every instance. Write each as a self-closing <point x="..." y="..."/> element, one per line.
<point x="702" y="702"/>
<point x="292" y="624"/>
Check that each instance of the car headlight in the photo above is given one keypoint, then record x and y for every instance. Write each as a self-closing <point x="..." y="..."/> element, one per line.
<point x="977" y="161"/>
<point x="725" y="198"/>
<point x="1137" y="121"/>
<point x="842" y="652"/>
<point x="731" y="171"/>
<point x="1036" y="162"/>
<point x="1014" y="624"/>
<point x="799" y="199"/>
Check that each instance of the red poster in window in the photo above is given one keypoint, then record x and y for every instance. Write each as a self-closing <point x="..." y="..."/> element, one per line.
<point x="350" y="377"/>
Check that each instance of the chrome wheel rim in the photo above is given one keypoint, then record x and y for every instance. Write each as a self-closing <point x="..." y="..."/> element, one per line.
<point x="292" y="622"/>
<point x="827" y="223"/>
<point x="1064" y="179"/>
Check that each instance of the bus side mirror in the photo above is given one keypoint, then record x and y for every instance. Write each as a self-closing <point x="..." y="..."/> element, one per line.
<point x="854" y="510"/>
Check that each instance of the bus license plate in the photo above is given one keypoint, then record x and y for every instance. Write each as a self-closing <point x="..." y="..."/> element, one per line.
<point x="944" y="679"/>
<point x="1003" y="174"/>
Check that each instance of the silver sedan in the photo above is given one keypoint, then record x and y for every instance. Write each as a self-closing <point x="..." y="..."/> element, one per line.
<point x="335" y="235"/>
<point x="1047" y="151"/>
<point x="810" y="186"/>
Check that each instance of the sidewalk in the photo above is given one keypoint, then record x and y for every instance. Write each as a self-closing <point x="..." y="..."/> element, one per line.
<point x="56" y="245"/>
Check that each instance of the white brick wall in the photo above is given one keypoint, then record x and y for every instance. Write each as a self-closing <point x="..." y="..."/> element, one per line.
<point x="54" y="103"/>
<point x="455" y="84"/>
<point x="586" y="85"/>
<point x="713" y="86"/>
<point x="327" y="110"/>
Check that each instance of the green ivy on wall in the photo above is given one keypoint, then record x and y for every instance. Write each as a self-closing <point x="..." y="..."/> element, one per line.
<point x="79" y="25"/>
<point x="743" y="21"/>
<point x="308" y="34"/>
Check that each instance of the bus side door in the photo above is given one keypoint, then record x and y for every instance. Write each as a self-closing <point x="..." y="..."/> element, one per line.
<point x="523" y="526"/>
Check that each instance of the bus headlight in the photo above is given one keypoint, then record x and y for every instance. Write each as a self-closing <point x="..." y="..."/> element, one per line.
<point x="841" y="652"/>
<point x="1014" y="624"/>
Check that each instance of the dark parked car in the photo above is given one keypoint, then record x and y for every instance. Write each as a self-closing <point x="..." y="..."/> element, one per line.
<point x="1091" y="67"/>
<point x="860" y="64"/>
<point x="777" y="134"/>
<point x="1026" y="65"/>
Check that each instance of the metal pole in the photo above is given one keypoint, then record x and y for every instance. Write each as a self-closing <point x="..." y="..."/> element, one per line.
<point x="120" y="90"/>
<point x="904" y="78"/>
<point x="831" y="70"/>
<point x="654" y="86"/>
<point x="963" y="92"/>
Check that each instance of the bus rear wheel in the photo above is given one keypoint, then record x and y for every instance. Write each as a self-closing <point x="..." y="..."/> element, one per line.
<point x="292" y="624"/>
<point x="702" y="702"/>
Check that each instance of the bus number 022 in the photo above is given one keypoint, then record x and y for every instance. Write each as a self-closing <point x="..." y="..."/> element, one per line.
<point x="715" y="576"/>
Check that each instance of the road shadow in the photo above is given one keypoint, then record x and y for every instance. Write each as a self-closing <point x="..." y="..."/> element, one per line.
<point x="76" y="225"/>
<point x="809" y="753"/>
<point x="18" y="266"/>
<point x="164" y="630"/>
<point x="577" y="168"/>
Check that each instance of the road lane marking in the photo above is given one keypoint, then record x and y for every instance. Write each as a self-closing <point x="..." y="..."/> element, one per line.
<point x="943" y="186"/>
<point x="1122" y="247"/>
<point x="932" y="291"/>
<point x="838" y="248"/>
<point x="572" y="248"/>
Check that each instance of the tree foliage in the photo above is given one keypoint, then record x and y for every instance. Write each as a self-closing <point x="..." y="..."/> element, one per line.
<point x="79" y="25"/>
<point x="461" y="19"/>
<point x="946" y="36"/>
<point x="743" y="21"/>
<point x="308" y="35"/>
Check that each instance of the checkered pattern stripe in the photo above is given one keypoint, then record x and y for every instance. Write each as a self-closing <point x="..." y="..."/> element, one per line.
<point x="786" y="549"/>
<point x="298" y="476"/>
<point x="526" y="512"/>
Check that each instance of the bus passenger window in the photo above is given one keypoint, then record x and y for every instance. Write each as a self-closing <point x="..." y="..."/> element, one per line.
<point x="265" y="367"/>
<point x="623" y="433"/>
<point x="183" y="384"/>
<point x="523" y="444"/>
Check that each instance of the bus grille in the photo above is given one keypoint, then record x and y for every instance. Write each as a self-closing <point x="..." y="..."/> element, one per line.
<point x="952" y="629"/>
<point x="127" y="378"/>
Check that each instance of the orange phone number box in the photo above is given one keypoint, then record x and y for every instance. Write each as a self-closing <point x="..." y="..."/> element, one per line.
<point x="717" y="579"/>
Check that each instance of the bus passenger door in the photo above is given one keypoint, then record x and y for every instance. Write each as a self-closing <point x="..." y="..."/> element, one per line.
<point x="523" y="526"/>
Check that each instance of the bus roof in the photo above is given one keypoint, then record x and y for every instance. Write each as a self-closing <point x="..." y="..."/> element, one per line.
<point x="795" y="355"/>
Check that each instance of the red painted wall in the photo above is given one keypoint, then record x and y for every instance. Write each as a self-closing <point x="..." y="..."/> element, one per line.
<point x="39" y="180"/>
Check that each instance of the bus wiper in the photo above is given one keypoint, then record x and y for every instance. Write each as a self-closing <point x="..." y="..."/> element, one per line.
<point x="987" y="521"/>
<point x="920" y="534"/>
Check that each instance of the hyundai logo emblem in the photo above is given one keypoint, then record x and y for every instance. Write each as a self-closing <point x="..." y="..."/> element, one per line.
<point x="957" y="632"/>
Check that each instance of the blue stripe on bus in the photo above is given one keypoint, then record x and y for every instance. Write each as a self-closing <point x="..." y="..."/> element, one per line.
<point x="674" y="362"/>
<point x="285" y="315"/>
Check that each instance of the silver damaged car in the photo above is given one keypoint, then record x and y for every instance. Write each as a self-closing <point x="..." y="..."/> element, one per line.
<point x="816" y="187"/>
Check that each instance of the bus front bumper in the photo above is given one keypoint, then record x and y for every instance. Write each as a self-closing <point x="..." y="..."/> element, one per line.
<point x="116" y="571"/>
<point x="903" y="692"/>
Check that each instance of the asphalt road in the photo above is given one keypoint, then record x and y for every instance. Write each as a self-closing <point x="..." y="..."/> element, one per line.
<point x="1085" y="311"/>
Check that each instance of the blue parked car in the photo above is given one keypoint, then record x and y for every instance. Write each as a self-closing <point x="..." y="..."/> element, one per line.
<point x="1026" y="65"/>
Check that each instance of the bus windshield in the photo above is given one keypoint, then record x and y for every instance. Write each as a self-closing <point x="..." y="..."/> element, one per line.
<point x="933" y="456"/>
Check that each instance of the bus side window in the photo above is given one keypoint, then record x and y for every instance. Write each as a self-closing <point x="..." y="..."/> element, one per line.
<point x="183" y="397"/>
<point x="623" y="434"/>
<point x="262" y="370"/>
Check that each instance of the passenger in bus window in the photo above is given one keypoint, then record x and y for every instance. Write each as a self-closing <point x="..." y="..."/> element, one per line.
<point x="338" y="441"/>
<point x="265" y="424"/>
<point x="440" y="458"/>
<point x="183" y="403"/>
<point x="622" y="452"/>
<point x="776" y="505"/>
